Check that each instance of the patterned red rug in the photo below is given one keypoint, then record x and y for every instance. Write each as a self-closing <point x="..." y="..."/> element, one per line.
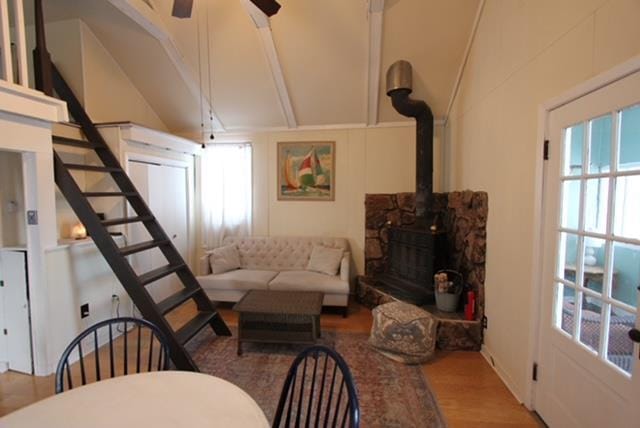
<point x="391" y="394"/>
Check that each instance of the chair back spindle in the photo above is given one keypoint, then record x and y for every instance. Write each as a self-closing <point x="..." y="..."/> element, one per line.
<point x="319" y="391"/>
<point x="100" y="343"/>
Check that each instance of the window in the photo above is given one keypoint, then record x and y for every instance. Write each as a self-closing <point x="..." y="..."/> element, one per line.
<point x="226" y="191"/>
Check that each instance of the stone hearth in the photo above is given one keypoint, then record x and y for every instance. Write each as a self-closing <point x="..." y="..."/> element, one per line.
<point x="462" y="219"/>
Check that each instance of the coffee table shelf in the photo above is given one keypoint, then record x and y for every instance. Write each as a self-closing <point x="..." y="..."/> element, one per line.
<point x="269" y="316"/>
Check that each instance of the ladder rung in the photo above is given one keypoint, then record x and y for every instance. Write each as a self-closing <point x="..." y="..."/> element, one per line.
<point x="94" y="168"/>
<point x="108" y="194"/>
<point x="161" y="272"/>
<point x="176" y="299"/>
<point x="137" y="248"/>
<point x="192" y="327"/>
<point x="74" y="142"/>
<point x="117" y="221"/>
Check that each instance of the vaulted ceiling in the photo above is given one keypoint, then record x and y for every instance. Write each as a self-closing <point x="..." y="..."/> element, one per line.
<point x="308" y="65"/>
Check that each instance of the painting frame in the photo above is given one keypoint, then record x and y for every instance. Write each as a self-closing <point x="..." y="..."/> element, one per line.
<point x="318" y="158"/>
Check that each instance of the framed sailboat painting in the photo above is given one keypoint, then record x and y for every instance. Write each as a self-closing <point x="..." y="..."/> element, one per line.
<point x="306" y="171"/>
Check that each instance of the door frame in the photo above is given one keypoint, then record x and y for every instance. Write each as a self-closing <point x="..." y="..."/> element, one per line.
<point x="600" y="81"/>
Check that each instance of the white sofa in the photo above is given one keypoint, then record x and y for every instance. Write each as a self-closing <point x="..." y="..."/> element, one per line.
<point x="277" y="263"/>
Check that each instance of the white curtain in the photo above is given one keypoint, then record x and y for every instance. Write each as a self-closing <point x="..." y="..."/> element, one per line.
<point x="226" y="192"/>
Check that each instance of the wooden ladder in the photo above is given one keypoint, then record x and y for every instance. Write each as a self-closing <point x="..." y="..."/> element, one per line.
<point x="116" y="256"/>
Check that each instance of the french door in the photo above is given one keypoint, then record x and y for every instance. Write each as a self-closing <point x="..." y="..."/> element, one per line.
<point x="589" y="368"/>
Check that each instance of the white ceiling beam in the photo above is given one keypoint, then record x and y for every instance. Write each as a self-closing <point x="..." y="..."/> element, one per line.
<point x="150" y="20"/>
<point x="376" y="12"/>
<point x="261" y="22"/>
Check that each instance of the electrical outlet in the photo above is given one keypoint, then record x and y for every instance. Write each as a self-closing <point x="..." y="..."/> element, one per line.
<point x="84" y="310"/>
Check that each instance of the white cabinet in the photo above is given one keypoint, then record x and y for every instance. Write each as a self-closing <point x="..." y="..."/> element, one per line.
<point x="15" y="346"/>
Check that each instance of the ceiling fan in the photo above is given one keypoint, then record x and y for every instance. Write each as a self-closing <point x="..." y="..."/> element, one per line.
<point x="182" y="8"/>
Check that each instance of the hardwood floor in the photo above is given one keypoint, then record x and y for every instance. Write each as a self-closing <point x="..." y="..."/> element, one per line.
<point x="469" y="392"/>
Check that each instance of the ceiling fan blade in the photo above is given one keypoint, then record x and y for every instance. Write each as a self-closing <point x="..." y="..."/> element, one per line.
<point x="269" y="7"/>
<point x="182" y="8"/>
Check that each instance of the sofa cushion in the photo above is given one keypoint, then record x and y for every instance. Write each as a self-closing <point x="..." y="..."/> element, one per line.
<point x="325" y="260"/>
<point x="241" y="279"/>
<point x="302" y="280"/>
<point x="224" y="259"/>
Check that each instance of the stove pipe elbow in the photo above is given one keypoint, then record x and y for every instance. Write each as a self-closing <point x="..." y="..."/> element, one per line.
<point x="399" y="87"/>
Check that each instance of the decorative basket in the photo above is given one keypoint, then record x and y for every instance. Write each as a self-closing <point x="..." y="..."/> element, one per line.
<point x="447" y="301"/>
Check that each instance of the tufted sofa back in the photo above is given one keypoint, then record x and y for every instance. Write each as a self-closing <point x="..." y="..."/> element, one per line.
<point x="280" y="252"/>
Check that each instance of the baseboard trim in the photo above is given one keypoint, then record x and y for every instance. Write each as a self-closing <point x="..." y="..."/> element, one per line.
<point x="4" y="366"/>
<point x="504" y="377"/>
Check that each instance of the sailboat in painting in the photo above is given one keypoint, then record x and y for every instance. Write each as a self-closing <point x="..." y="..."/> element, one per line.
<point x="305" y="176"/>
<point x="310" y="172"/>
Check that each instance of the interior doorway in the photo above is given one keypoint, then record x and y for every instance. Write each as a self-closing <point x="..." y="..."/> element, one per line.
<point x="16" y="350"/>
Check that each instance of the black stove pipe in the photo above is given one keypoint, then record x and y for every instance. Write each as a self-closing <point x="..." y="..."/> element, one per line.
<point x="399" y="87"/>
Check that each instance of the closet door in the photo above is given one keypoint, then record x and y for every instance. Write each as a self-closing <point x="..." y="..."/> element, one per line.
<point x="176" y="207"/>
<point x="164" y="189"/>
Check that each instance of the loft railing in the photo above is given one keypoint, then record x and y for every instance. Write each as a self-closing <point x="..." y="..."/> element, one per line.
<point x="13" y="62"/>
<point x="42" y="67"/>
<point x="13" y="47"/>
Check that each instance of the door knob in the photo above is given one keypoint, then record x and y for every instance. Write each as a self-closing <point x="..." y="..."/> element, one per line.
<point x="634" y="335"/>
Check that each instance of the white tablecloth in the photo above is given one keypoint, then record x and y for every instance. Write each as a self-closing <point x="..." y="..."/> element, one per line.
<point x="148" y="400"/>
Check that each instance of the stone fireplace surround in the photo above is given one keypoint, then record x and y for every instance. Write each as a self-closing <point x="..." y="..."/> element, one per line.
<point x="463" y="218"/>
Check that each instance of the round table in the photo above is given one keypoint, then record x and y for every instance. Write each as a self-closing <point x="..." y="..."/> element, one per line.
<point x="151" y="400"/>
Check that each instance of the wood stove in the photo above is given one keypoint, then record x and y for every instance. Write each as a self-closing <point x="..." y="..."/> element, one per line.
<point x="410" y="266"/>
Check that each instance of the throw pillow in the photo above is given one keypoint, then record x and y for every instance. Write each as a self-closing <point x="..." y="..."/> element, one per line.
<point x="325" y="260"/>
<point x="224" y="259"/>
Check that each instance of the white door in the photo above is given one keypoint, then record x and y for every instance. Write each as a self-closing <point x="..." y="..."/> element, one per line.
<point x="13" y="273"/>
<point x="589" y="370"/>
<point x="164" y="189"/>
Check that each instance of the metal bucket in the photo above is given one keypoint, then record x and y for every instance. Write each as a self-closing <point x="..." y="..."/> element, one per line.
<point x="448" y="302"/>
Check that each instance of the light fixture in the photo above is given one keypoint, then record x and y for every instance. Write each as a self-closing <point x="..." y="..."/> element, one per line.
<point x="209" y="78"/>
<point x="78" y="231"/>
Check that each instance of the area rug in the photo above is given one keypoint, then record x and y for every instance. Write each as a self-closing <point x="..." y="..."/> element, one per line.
<point x="391" y="394"/>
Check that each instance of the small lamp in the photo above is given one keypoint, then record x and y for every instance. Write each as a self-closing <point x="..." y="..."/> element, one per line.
<point x="78" y="231"/>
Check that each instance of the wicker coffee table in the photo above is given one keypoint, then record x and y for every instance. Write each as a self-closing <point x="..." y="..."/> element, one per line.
<point x="279" y="317"/>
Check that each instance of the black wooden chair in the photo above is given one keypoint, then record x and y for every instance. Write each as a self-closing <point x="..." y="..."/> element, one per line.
<point x="140" y="347"/>
<point x="318" y="391"/>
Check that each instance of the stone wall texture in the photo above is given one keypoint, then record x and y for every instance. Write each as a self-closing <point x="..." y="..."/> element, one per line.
<point x="462" y="216"/>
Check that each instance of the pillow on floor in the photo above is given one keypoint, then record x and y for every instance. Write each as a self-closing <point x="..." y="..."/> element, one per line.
<point x="325" y="260"/>
<point x="224" y="259"/>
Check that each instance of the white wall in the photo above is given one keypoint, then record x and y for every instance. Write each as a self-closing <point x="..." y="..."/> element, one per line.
<point x="524" y="53"/>
<point x="12" y="214"/>
<point x="64" y="45"/>
<point x="109" y="95"/>
<point x="95" y="77"/>
<point x="78" y="274"/>
<point x="368" y="160"/>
